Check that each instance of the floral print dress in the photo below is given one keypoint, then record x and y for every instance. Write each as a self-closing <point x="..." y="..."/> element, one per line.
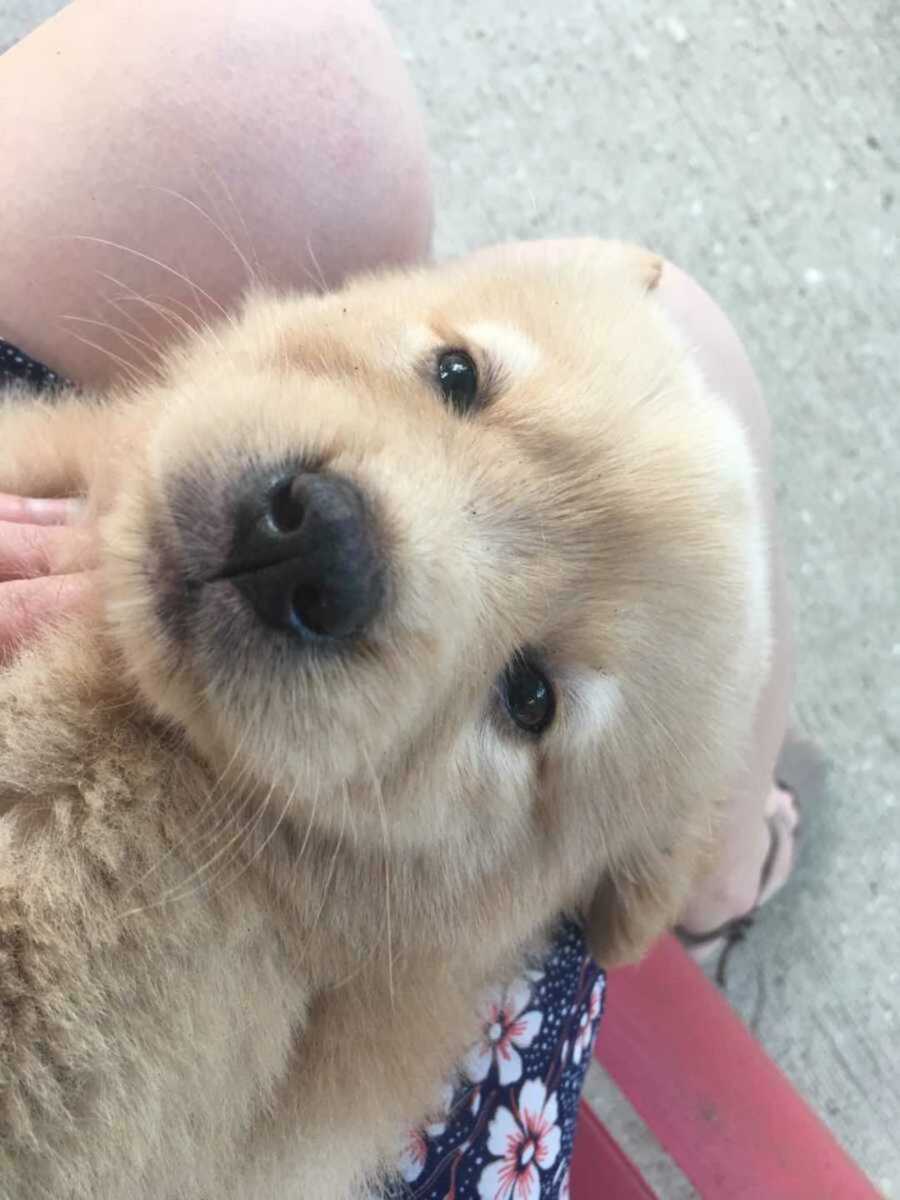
<point x="510" y="1125"/>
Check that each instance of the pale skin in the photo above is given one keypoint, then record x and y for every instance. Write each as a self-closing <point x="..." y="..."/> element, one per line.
<point x="166" y="153"/>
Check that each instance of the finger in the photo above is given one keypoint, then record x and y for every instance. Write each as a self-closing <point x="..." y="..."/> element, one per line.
<point x="27" y="511"/>
<point x="27" y="551"/>
<point x="28" y="605"/>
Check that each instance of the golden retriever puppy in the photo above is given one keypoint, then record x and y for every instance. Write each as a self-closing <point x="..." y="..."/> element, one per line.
<point x="431" y="609"/>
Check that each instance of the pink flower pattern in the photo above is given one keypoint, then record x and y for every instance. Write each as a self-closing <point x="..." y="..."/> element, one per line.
<point x="509" y="1128"/>
<point x="588" y="1023"/>
<point x="507" y="1028"/>
<point x="412" y="1161"/>
<point x="527" y="1143"/>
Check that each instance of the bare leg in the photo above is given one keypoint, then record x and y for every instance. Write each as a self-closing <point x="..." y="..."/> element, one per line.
<point x="733" y="887"/>
<point x="292" y="127"/>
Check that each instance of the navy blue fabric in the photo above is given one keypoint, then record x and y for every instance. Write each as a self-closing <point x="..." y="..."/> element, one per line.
<point x="17" y="367"/>
<point x="510" y="1125"/>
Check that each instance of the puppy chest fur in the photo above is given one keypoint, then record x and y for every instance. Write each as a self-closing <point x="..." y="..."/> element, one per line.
<point x="145" y="1012"/>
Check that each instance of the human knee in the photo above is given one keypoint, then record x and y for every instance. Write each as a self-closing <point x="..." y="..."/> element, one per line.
<point x="294" y="124"/>
<point x="310" y="107"/>
<point x="719" y="352"/>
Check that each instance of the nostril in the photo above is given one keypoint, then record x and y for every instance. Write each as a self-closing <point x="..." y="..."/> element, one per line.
<point x="287" y="507"/>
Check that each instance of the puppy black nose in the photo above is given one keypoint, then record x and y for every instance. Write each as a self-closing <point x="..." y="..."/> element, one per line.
<point x="305" y="553"/>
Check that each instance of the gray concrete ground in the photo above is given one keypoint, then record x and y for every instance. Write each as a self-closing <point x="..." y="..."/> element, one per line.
<point x="756" y="144"/>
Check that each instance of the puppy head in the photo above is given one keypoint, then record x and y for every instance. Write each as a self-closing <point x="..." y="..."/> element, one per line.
<point x="465" y="560"/>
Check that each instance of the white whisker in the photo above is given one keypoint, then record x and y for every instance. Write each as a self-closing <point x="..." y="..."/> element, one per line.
<point x="85" y="237"/>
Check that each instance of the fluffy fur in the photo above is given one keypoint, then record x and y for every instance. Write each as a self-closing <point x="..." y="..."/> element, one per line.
<point x="249" y="893"/>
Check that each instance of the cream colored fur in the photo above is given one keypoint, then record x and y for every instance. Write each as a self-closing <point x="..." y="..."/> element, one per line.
<point x="248" y="897"/>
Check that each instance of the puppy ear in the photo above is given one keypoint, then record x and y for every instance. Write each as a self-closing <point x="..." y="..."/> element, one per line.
<point x="620" y="923"/>
<point x="635" y="262"/>
<point x="651" y="266"/>
<point x="632" y="906"/>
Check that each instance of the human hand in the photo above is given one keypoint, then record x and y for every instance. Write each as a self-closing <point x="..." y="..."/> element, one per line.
<point x="45" y="560"/>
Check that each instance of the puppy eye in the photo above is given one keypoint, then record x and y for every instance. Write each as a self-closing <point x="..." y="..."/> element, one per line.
<point x="458" y="377"/>
<point x="528" y="695"/>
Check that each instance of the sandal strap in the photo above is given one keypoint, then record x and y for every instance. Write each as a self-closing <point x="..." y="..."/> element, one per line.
<point x="713" y="935"/>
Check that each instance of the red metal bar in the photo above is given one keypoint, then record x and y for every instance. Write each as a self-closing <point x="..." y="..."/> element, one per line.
<point x="600" y="1169"/>
<point x="704" y="1086"/>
